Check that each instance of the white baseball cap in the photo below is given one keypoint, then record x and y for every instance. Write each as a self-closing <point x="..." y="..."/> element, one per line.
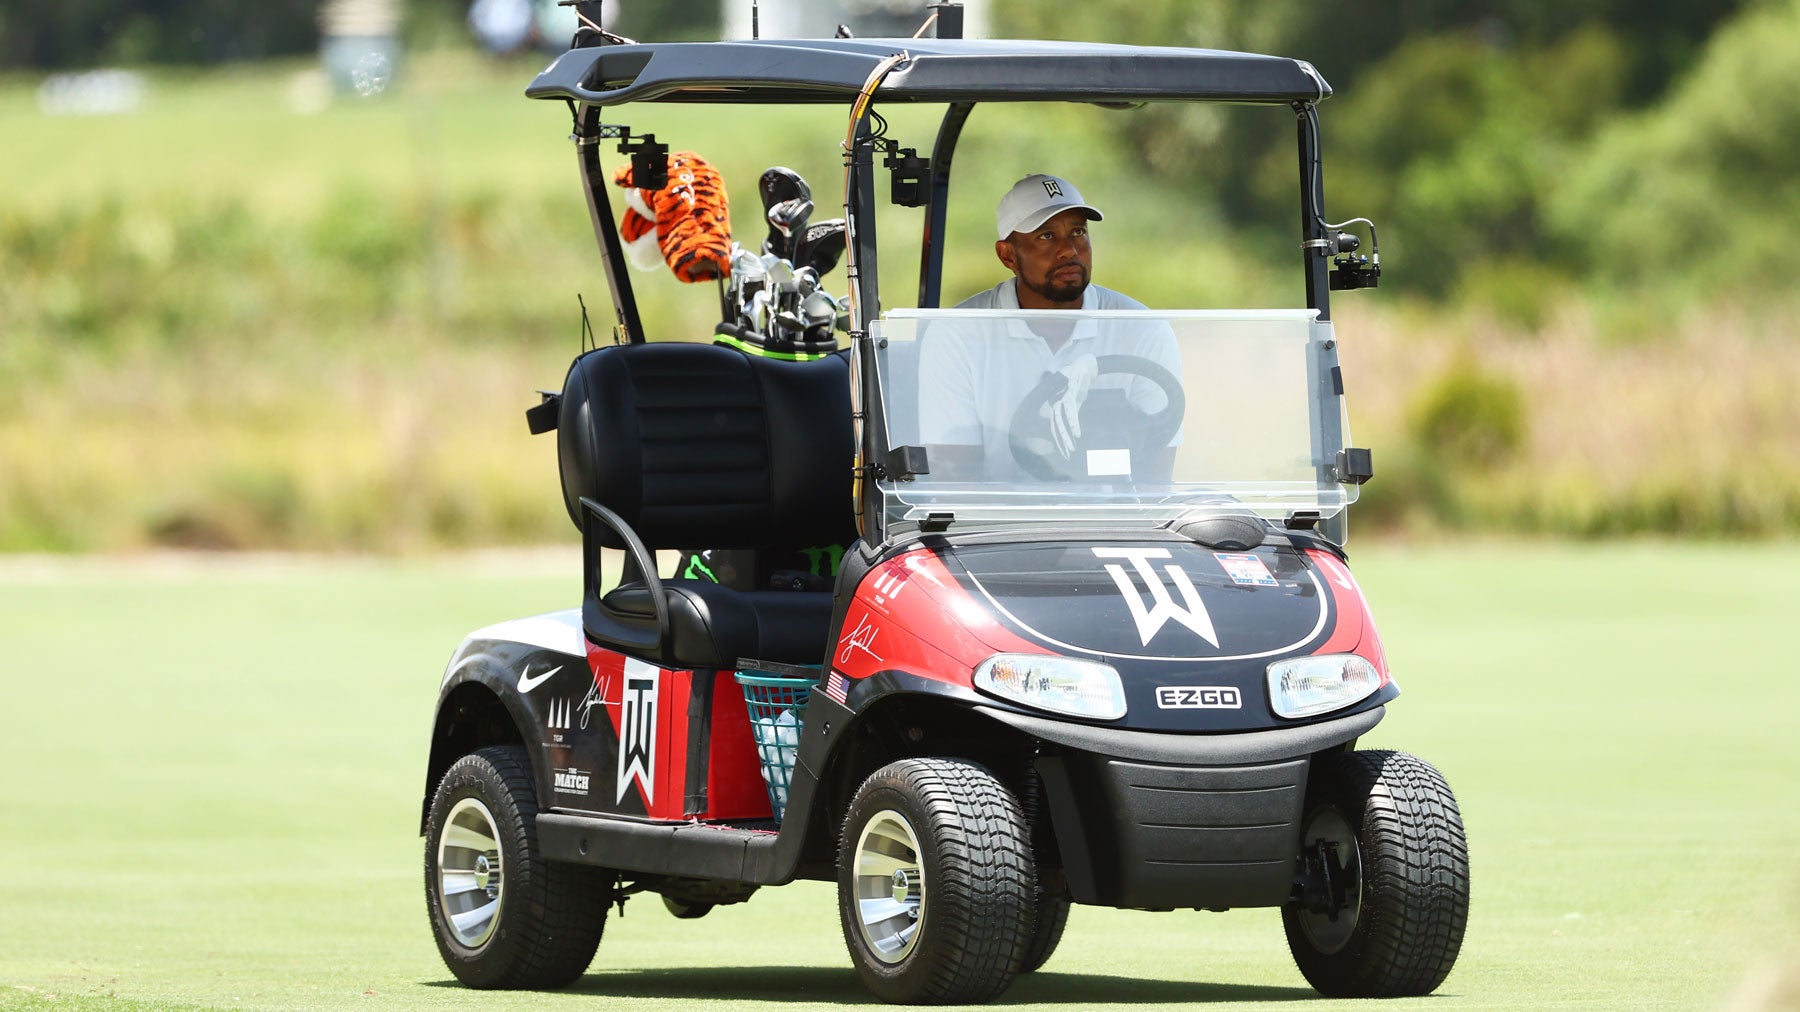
<point x="1036" y="199"/>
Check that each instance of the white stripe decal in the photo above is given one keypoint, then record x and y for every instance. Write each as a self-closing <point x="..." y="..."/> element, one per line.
<point x="559" y="631"/>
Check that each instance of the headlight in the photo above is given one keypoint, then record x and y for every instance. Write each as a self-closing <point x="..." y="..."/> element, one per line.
<point x="1058" y="684"/>
<point x="1303" y="686"/>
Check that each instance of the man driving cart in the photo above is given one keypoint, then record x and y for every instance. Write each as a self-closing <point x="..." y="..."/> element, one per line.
<point x="1045" y="242"/>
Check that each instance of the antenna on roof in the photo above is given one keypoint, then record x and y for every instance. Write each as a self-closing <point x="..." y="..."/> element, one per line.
<point x="949" y="16"/>
<point x="755" y="29"/>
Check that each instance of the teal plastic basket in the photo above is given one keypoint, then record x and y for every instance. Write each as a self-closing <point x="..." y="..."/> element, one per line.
<point x="775" y="701"/>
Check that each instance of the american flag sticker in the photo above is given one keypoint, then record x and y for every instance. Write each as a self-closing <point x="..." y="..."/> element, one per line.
<point x="1246" y="570"/>
<point x="837" y="686"/>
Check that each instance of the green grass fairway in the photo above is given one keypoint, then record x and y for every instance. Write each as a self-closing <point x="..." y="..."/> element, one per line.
<point x="214" y="771"/>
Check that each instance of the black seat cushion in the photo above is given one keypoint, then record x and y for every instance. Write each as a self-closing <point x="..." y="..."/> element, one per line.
<point x="711" y="626"/>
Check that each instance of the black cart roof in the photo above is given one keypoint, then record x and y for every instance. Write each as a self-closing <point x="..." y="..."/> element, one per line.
<point x="783" y="71"/>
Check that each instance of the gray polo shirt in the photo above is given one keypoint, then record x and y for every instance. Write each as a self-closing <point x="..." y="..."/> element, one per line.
<point x="970" y="386"/>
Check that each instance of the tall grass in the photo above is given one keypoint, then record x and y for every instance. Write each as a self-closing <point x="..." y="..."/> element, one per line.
<point x="1687" y="426"/>
<point x="229" y="322"/>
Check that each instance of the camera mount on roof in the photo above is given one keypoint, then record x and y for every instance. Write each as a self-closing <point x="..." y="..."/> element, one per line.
<point x="1349" y="271"/>
<point x="909" y="172"/>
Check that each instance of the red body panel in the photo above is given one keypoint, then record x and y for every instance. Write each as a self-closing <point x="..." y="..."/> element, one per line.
<point x="1355" y="629"/>
<point x="735" y="788"/>
<point x="664" y="796"/>
<point x="910" y="614"/>
<point x="657" y="781"/>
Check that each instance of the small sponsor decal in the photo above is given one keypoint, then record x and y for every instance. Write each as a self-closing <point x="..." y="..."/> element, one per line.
<point x="1334" y="570"/>
<point x="837" y="686"/>
<point x="1199" y="697"/>
<point x="559" y="715"/>
<point x="862" y="639"/>
<point x="1151" y="618"/>
<point x="529" y="681"/>
<point x="888" y="587"/>
<point x="571" y="781"/>
<point x="1246" y="570"/>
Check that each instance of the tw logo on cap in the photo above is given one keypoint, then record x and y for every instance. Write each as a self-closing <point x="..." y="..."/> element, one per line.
<point x="1053" y="188"/>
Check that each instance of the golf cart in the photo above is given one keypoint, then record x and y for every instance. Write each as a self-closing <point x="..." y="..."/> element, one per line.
<point x="1118" y="660"/>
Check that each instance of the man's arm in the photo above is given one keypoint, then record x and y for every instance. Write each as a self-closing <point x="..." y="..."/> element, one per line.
<point x="949" y="423"/>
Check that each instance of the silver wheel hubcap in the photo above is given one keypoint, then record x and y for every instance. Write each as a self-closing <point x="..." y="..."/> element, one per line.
<point x="1329" y="933"/>
<point x="890" y="886"/>
<point x="469" y="873"/>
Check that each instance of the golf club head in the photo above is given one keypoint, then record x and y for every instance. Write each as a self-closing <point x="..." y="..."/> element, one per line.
<point x="787" y="221"/>
<point x="819" y="309"/>
<point x="821" y="245"/>
<point x="783" y="186"/>
<point x="747" y="274"/>
<point x="760" y="312"/>
<point x="746" y="263"/>
<point x="781" y="183"/>
<point x="781" y="276"/>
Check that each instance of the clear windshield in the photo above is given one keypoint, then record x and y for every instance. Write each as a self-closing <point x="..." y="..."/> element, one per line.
<point x="1140" y="415"/>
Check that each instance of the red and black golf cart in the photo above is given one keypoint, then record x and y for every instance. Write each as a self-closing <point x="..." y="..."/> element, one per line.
<point x="1108" y="651"/>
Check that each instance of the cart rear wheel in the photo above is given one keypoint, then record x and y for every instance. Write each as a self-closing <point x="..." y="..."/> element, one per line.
<point x="1386" y="873"/>
<point x="1047" y="930"/>
<point x="935" y="881"/>
<point x="503" y="916"/>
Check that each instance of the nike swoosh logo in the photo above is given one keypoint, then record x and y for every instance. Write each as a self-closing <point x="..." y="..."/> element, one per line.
<point x="529" y="682"/>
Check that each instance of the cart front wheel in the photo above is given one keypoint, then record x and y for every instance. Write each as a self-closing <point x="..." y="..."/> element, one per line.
<point x="1384" y="891"/>
<point x="935" y="883"/>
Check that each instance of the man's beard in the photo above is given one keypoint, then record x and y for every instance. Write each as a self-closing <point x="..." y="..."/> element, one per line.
<point x="1070" y="292"/>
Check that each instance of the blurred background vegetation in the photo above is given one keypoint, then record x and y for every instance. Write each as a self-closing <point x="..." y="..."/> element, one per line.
<point x="255" y="312"/>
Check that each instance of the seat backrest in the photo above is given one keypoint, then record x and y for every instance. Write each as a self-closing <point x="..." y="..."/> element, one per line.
<point x="697" y="445"/>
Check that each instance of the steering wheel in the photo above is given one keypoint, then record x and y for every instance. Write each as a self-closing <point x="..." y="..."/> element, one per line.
<point x="1152" y="430"/>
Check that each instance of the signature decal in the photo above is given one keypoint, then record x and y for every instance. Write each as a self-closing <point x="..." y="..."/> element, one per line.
<point x="862" y="639"/>
<point x="588" y="702"/>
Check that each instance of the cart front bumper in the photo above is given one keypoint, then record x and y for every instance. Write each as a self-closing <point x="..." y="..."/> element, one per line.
<point x="1160" y="821"/>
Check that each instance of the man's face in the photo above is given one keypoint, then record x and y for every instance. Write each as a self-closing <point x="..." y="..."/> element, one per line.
<point x="1052" y="263"/>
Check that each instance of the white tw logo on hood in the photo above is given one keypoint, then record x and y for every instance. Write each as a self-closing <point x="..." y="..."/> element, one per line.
<point x="1152" y="617"/>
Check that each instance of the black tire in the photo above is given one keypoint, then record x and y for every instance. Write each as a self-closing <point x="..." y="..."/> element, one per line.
<point x="1403" y="898"/>
<point x="1052" y="916"/>
<point x="540" y="922"/>
<point x="952" y="922"/>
